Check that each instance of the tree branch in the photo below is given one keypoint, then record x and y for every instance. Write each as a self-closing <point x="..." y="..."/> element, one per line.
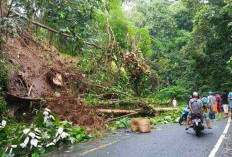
<point x="51" y="29"/>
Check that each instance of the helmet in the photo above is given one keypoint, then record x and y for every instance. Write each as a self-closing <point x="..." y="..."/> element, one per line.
<point x="210" y="92"/>
<point x="195" y="94"/>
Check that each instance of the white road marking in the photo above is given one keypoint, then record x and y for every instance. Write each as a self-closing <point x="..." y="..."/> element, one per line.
<point x="221" y="138"/>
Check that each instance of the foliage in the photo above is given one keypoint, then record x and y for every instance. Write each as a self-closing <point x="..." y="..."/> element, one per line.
<point x="71" y="17"/>
<point x="159" y="19"/>
<point x="8" y="27"/>
<point x="209" y="46"/>
<point x="166" y="118"/>
<point x="183" y="17"/>
<point x="169" y="26"/>
<point x="119" y="124"/>
<point x="195" y="49"/>
<point x="123" y="123"/>
<point x="44" y="135"/>
<point x="181" y="42"/>
<point x="3" y="108"/>
<point x="116" y="33"/>
<point x="3" y="74"/>
<point x="178" y="92"/>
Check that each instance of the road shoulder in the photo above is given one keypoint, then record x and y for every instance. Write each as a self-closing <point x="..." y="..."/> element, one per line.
<point x="226" y="147"/>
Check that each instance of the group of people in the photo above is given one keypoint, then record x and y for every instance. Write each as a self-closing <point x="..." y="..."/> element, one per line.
<point x="207" y="106"/>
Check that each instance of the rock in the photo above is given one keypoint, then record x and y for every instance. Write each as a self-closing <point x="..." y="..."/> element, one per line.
<point x="58" y="80"/>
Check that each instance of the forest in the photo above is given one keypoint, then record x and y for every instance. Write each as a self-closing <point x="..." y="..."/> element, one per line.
<point x="63" y="59"/>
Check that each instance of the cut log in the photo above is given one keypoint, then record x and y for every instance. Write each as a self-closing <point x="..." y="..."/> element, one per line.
<point x="145" y="106"/>
<point x="140" y="103"/>
<point x="165" y="103"/>
<point x="116" y="111"/>
<point x="164" y="109"/>
<point x="144" y="125"/>
<point x="134" y="125"/>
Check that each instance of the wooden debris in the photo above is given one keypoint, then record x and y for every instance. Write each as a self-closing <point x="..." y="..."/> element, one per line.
<point x="9" y="96"/>
<point x="29" y="92"/>
<point x="164" y="109"/>
<point x="116" y="111"/>
<point x="141" y="125"/>
<point x="134" y="125"/>
<point x="144" y="125"/>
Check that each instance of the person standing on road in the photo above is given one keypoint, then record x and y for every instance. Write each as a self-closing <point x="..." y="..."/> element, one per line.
<point x="174" y="102"/>
<point x="230" y="98"/>
<point x="210" y="102"/>
<point x="225" y="103"/>
<point x="219" y="102"/>
<point x="204" y="101"/>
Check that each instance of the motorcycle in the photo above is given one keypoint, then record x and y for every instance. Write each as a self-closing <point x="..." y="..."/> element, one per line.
<point x="183" y="118"/>
<point x="197" y="120"/>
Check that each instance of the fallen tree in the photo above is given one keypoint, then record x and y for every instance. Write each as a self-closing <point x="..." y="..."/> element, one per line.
<point x="131" y="112"/>
<point x="118" y="111"/>
<point x="139" y="103"/>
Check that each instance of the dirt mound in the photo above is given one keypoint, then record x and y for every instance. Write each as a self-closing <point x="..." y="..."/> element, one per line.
<point x="29" y="66"/>
<point x="38" y="70"/>
<point x="74" y="109"/>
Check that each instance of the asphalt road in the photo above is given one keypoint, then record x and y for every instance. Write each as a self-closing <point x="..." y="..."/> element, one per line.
<point x="164" y="141"/>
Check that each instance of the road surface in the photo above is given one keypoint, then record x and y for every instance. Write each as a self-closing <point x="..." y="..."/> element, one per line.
<point x="164" y="141"/>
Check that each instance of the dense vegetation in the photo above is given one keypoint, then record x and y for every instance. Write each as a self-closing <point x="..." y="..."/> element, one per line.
<point x="190" y="43"/>
<point x="184" y="45"/>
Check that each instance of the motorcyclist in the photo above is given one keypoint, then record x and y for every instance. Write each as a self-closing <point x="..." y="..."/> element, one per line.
<point x="195" y="106"/>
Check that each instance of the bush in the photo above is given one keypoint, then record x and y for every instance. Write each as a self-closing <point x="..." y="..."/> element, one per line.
<point x="44" y="135"/>
<point x="166" y="118"/>
<point x="178" y="91"/>
<point x="3" y="108"/>
<point x="123" y="123"/>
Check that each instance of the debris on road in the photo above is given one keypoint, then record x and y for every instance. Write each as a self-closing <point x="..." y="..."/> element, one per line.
<point x="141" y="125"/>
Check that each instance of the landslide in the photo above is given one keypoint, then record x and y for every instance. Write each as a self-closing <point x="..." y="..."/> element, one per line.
<point x="38" y="72"/>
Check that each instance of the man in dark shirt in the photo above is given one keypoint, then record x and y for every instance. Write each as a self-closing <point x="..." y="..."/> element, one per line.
<point x="225" y="103"/>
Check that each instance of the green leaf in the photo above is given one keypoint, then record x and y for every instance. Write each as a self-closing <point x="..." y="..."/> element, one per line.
<point x="72" y="139"/>
<point x="35" y="155"/>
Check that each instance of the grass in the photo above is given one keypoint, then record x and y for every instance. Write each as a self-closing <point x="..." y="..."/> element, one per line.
<point x="218" y="116"/>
